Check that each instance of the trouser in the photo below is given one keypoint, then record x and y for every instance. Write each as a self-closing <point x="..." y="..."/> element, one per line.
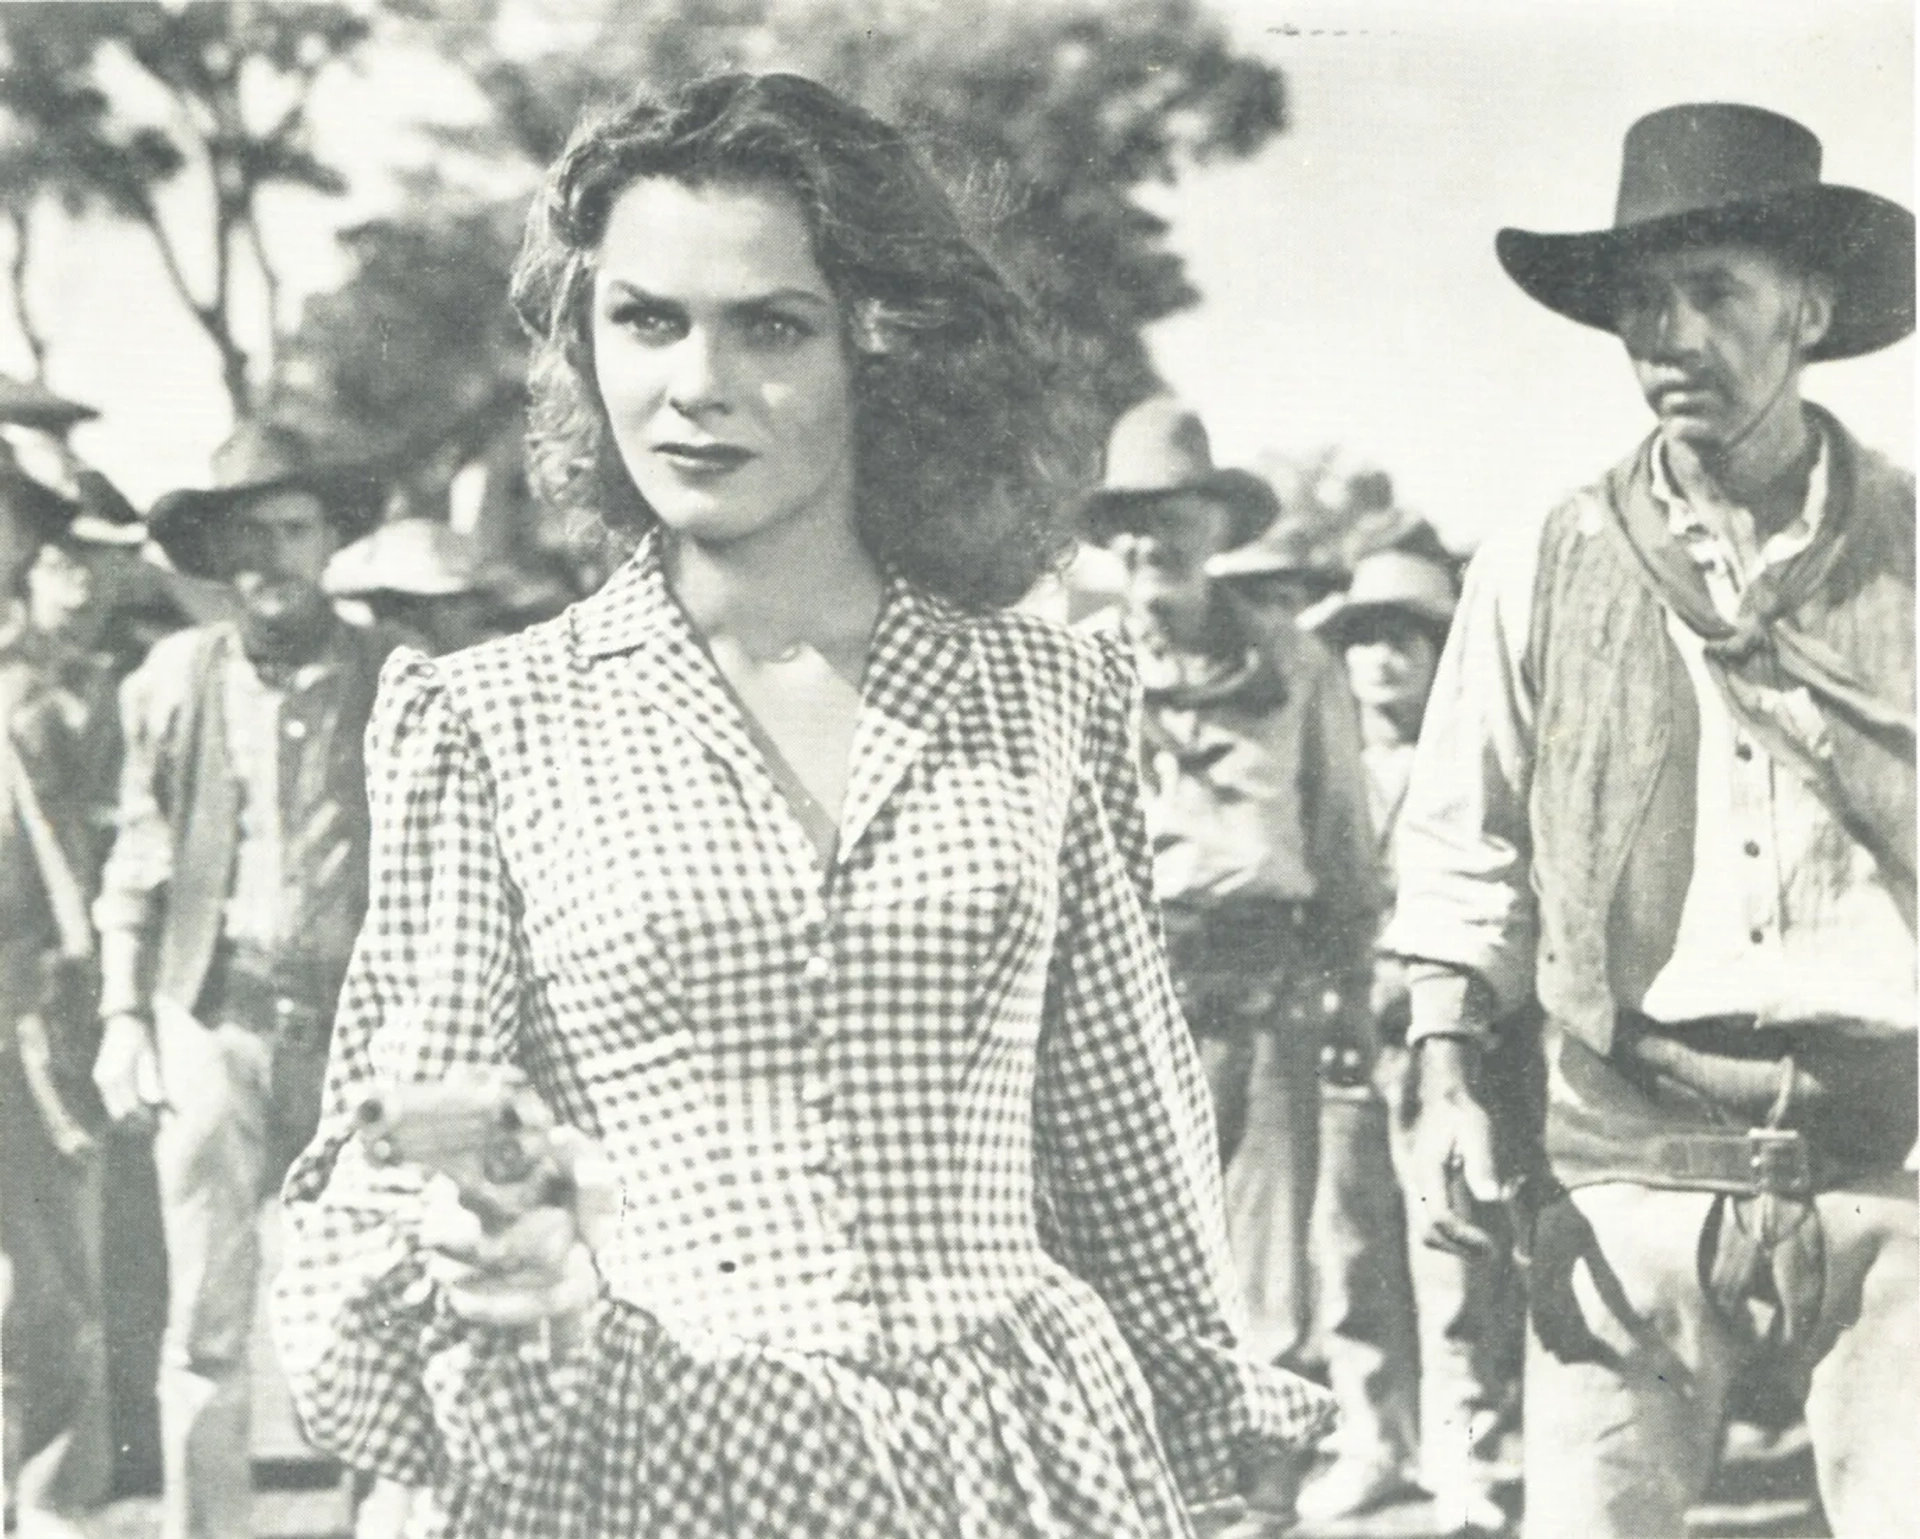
<point x="240" y="1103"/>
<point x="1738" y="1215"/>
<point x="1266" y="1096"/>
<point x="1622" y="1430"/>
<point x="1421" y="1346"/>
<point x="59" y="1455"/>
<point x="1364" y="1296"/>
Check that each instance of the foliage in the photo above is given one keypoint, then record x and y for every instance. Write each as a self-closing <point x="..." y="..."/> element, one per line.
<point x="65" y="135"/>
<point x="1046" y="119"/>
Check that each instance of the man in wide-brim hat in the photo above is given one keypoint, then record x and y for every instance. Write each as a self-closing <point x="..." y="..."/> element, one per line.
<point x="58" y="756"/>
<point x="228" y="907"/>
<point x="1263" y="856"/>
<point x="1666" y="784"/>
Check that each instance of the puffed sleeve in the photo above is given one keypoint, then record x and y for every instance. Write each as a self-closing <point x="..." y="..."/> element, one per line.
<point x="381" y="1371"/>
<point x="1128" y="1155"/>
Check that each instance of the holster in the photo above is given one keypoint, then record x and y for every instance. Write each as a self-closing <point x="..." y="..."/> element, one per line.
<point x="1762" y="1118"/>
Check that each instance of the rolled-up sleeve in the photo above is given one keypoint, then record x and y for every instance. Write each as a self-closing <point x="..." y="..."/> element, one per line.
<point x="1128" y="1156"/>
<point x="382" y="1373"/>
<point x="1464" y="920"/>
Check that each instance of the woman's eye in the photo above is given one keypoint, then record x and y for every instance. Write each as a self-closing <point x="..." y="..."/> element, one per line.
<point x="777" y="331"/>
<point x="646" y="322"/>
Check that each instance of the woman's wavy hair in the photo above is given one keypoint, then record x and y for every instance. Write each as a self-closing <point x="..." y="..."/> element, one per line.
<point x="963" y="453"/>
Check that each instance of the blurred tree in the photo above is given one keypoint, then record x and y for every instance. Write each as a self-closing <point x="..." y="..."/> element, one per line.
<point x="230" y="84"/>
<point x="1047" y="118"/>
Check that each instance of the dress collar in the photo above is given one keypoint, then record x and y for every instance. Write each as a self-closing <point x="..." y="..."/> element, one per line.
<point x="918" y="661"/>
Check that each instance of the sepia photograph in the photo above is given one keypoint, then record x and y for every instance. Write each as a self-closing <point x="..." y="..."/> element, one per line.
<point x="958" y="769"/>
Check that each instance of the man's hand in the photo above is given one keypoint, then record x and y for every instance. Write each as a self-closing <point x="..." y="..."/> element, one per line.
<point x="1454" y="1165"/>
<point x="126" y="1072"/>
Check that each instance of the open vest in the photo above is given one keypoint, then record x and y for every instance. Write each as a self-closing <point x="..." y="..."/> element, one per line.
<point x="1612" y="802"/>
<point x="323" y="817"/>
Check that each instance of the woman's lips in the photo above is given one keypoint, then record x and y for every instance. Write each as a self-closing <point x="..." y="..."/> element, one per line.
<point x="703" y="459"/>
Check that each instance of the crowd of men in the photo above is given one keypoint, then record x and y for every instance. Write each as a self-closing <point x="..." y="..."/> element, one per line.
<point x="1556" y="933"/>
<point x="183" y="871"/>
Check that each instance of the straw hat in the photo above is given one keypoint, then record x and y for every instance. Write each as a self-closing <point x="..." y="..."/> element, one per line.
<point x="1388" y="583"/>
<point x="1284" y="549"/>
<point x="1704" y="173"/>
<point x="416" y="557"/>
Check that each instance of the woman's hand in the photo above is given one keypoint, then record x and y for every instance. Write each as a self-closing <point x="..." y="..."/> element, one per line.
<point x="540" y="1267"/>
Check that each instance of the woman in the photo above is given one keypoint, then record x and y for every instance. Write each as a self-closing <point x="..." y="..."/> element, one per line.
<point x="807" y="885"/>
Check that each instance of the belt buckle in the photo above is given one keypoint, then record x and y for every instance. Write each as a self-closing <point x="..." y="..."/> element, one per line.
<point x="1779" y="1162"/>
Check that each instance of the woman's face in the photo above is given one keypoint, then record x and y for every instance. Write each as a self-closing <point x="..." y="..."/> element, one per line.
<point x="718" y="354"/>
<point x="1390" y="665"/>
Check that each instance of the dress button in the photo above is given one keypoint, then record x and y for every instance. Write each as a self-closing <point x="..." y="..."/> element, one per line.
<point x="818" y="969"/>
<point x="296" y="729"/>
<point x="1753" y="848"/>
<point x="1756" y="936"/>
<point x="1744" y="752"/>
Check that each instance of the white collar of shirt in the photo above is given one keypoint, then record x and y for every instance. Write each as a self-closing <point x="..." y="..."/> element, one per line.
<point x="1710" y="545"/>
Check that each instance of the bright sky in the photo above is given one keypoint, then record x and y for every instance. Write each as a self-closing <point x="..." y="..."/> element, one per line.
<point x="1351" y="292"/>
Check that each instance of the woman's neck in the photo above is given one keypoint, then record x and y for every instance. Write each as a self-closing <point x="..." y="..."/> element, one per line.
<point x="801" y="584"/>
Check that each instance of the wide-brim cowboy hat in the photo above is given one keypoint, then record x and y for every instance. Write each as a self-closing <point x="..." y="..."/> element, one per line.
<point x="1711" y="172"/>
<point x="260" y="460"/>
<point x="28" y="403"/>
<point x="1388" y="584"/>
<point x="1160" y="448"/>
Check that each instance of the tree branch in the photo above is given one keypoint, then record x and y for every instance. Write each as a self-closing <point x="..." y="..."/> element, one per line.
<point x="17" y="290"/>
<point x="269" y="279"/>
<point x="211" y="317"/>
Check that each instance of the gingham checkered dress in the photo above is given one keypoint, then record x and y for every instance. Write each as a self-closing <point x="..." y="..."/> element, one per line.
<point x="921" y="1232"/>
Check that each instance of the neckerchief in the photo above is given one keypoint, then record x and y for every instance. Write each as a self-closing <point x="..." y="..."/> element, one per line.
<point x="1752" y="658"/>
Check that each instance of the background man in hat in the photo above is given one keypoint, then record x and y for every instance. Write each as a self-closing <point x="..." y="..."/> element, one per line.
<point x="1421" y="1346"/>
<point x="419" y="576"/>
<point x="58" y="752"/>
<point x="1667" y="781"/>
<point x="229" y="905"/>
<point x="1263" y="857"/>
<point x="1279" y="574"/>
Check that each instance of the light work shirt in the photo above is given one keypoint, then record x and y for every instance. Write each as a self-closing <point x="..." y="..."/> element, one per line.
<point x="1786" y="916"/>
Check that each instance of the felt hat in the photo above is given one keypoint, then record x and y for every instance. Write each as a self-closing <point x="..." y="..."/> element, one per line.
<point x="1715" y="171"/>
<point x="1393" y="581"/>
<point x="28" y="403"/>
<point x="1160" y="447"/>
<point x="1283" y="549"/>
<point x="259" y="460"/>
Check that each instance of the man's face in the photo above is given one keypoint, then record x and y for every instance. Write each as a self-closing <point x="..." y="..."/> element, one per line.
<point x="279" y="548"/>
<point x="1165" y="557"/>
<point x="1717" y="335"/>
<point x="65" y="593"/>
<point x="1390" y="664"/>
